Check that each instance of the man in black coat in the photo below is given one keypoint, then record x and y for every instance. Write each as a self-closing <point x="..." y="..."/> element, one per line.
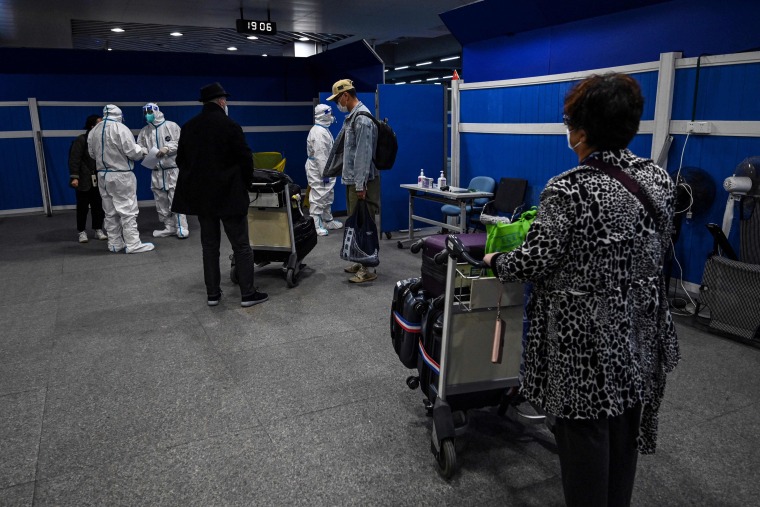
<point x="215" y="170"/>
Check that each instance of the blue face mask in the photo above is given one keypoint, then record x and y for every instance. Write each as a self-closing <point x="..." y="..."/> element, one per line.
<point x="150" y="117"/>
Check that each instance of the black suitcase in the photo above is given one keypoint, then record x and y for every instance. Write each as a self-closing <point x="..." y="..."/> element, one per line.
<point x="408" y="306"/>
<point x="434" y="275"/>
<point x="429" y="348"/>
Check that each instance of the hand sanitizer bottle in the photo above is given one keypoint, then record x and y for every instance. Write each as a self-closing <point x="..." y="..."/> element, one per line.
<point x="441" y="181"/>
<point x="421" y="178"/>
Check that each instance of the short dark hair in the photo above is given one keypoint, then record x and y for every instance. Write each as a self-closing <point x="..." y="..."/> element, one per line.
<point x="351" y="92"/>
<point x="91" y="121"/>
<point x="607" y="107"/>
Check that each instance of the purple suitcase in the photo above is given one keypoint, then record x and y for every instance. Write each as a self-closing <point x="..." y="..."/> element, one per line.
<point x="434" y="275"/>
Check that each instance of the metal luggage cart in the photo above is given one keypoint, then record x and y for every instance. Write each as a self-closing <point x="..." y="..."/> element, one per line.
<point x="467" y="377"/>
<point x="270" y="230"/>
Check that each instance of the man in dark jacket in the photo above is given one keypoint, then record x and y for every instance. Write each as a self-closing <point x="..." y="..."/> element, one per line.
<point x="215" y="170"/>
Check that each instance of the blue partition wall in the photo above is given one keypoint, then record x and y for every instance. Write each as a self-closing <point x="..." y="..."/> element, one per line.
<point x="416" y="114"/>
<point x="18" y="169"/>
<point x="534" y="157"/>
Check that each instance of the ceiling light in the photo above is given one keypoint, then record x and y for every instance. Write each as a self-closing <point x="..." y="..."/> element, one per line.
<point x="386" y="70"/>
<point x="400" y="82"/>
<point x="402" y="67"/>
<point x="176" y="34"/>
<point x="433" y="79"/>
<point x="252" y="37"/>
<point x="447" y="77"/>
<point x="110" y="49"/>
<point x="416" y="81"/>
<point x="449" y="58"/>
<point x="423" y="63"/>
<point x="303" y="39"/>
<point x="117" y="29"/>
<point x="232" y="48"/>
<point x="265" y="54"/>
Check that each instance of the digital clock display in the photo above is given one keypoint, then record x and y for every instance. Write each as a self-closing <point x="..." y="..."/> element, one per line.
<point x="256" y="27"/>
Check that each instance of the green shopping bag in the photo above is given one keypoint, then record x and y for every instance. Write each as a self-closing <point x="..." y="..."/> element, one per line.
<point x="504" y="237"/>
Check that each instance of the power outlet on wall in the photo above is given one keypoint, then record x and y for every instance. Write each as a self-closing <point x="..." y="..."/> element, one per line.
<point x="699" y="127"/>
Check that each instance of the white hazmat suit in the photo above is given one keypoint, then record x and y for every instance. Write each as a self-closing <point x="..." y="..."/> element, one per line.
<point x="318" y="146"/>
<point x="164" y="136"/>
<point x="113" y="147"/>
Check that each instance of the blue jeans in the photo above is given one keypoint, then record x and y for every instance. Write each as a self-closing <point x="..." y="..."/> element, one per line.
<point x="236" y="229"/>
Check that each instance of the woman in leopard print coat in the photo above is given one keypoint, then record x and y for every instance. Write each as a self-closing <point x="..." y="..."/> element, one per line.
<point x="601" y="337"/>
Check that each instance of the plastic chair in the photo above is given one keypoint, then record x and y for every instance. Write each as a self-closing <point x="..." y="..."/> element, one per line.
<point x="269" y="160"/>
<point x="508" y="200"/>
<point x="479" y="183"/>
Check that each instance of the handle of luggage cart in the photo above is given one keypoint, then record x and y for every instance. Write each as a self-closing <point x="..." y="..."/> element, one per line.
<point x="457" y="251"/>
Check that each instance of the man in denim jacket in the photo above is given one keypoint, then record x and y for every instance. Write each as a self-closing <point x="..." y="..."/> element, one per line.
<point x="359" y="139"/>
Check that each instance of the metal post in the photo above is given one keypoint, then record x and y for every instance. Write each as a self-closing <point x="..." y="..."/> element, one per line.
<point x="663" y="106"/>
<point x="455" y="132"/>
<point x="40" y="152"/>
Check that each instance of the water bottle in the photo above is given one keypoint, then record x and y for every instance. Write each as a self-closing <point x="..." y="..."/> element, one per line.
<point x="441" y="180"/>
<point x="421" y="178"/>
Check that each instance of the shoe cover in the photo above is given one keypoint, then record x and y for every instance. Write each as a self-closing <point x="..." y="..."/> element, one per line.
<point x="144" y="247"/>
<point x="182" y="234"/>
<point x="116" y="249"/>
<point x="321" y="231"/>
<point x="334" y="224"/>
<point x="165" y="233"/>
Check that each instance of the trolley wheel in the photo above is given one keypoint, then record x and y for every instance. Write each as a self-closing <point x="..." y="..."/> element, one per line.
<point x="400" y="245"/>
<point x="291" y="278"/>
<point x="388" y="235"/>
<point x="413" y="382"/>
<point x="447" y="459"/>
<point x="233" y="275"/>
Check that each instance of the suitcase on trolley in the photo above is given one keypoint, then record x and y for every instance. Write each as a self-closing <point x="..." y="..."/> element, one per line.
<point x="434" y="275"/>
<point x="407" y="310"/>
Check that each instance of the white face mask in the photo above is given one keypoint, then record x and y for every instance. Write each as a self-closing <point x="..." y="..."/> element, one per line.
<point x="342" y="108"/>
<point x="567" y="131"/>
<point x="226" y="110"/>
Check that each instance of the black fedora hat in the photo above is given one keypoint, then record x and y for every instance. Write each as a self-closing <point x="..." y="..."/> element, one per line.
<point x="212" y="91"/>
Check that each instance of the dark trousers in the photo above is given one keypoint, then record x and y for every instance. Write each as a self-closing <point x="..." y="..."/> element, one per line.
<point x="85" y="201"/>
<point x="598" y="459"/>
<point x="236" y="229"/>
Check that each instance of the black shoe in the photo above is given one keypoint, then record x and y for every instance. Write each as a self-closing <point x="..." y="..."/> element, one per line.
<point x="214" y="300"/>
<point x="254" y="299"/>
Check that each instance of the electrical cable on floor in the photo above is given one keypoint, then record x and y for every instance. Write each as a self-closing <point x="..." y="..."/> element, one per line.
<point x="676" y="309"/>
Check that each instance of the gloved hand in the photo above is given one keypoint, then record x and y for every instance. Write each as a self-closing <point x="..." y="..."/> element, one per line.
<point x="144" y="151"/>
<point x="325" y="181"/>
<point x="162" y="152"/>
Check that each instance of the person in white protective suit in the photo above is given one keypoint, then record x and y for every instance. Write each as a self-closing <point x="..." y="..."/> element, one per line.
<point x="164" y="136"/>
<point x="114" y="149"/>
<point x="318" y="146"/>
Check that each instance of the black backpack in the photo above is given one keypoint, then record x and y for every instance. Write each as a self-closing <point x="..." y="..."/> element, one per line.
<point x="387" y="145"/>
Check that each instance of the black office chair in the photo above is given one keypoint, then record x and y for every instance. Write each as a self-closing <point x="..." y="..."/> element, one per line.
<point x="508" y="200"/>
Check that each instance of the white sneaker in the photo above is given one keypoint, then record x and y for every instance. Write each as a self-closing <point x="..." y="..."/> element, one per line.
<point x="164" y="233"/>
<point x="83" y="237"/>
<point x="100" y="234"/>
<point x="334" y="224"/>
<point x="144" y="247"/>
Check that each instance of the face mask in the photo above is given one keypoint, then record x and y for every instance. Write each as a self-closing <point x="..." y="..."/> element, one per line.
<point x="568" y="141"/>
<point x="226" y="110"/>
<point x="342" y="108"/>
<point x="150" y="117"/>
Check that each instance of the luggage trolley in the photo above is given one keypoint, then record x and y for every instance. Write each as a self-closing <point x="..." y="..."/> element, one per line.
<point x="276" y="232"/>
<point x="466" y="377"/>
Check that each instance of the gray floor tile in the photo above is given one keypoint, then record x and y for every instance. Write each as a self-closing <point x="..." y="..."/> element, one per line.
<point x="17" y="496"/>
<point x="21" y="424"/>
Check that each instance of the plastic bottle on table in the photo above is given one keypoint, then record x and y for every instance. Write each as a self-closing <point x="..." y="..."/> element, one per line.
<point x="441" y="180"/>
<point x="421" y="178"/>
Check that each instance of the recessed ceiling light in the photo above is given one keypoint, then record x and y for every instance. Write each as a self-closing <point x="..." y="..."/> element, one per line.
<point x="117" y="29"/>
<point x="176" y="34"/>
<point x="423" y="63"/>
<point x="401" y="82"/>
<point x="433" y="79"/>
<point x="449" y="58"/>
<point x="109" y="49"/>
<point x="232" y="48"/>
<point x="303" y="39"/>
<point x="252" y="37"/>
<point x="402" y="67"/>
<point x="265" y="54"/>
<point x="416" y="81"/>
